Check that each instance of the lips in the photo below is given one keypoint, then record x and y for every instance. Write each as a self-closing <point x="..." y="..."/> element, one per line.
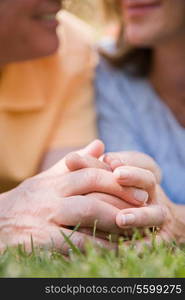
<point x="140" y="8"/>
<point x="132" y="3"/>
<point x="141" y="3"/>
<point x="46" y="16"/>
<point x="47" y="20"/>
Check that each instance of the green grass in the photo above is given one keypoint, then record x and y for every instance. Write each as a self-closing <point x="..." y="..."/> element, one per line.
<point x="158" y="261"/>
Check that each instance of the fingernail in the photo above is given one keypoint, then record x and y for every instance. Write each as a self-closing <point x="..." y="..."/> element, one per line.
<point x="128" y="219"/>
<point x="121" y="173"/>
<point x="140" y="195"/>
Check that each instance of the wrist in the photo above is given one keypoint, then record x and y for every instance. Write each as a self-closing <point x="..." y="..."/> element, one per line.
<point x="174" y="224"/>
<point x="178" y="224"/>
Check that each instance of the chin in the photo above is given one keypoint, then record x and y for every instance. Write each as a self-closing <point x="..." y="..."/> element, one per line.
<point x="139" y="40"/>
<point x="143" y="36"/>
<point x="48" y="46"/>
<point x="139" y="43"/>
<point x="48" y="51"/>
<point x="42" y="45"/>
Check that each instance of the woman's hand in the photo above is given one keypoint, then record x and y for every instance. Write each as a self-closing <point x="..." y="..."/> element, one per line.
<point x="173" y="227"/>
<point x="133" y="159"/>
<point x="139" y="176"/>
<point x="169" y="218"/>
<point x="140" y="172"/>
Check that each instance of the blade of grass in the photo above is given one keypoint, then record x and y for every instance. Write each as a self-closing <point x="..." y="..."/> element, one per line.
<point x="75" y="249"/>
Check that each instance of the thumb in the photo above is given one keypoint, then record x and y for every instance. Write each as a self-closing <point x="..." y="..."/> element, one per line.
<point x="94" y="149"/>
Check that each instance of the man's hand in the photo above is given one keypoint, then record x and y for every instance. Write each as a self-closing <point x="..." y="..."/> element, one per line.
<point x="52" y="201"/>
<point x="44" y="205"/>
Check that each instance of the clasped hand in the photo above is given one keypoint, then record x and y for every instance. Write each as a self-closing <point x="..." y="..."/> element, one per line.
<point x="118" y="191"/>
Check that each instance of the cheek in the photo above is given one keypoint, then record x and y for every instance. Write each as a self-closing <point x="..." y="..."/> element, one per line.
<point x="25" y="46"/>
<point x="43" y="40"/>
<point x="33" y="41"/>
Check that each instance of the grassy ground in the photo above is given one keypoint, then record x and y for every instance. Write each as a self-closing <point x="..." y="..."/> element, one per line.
<point x="160" y="261"/>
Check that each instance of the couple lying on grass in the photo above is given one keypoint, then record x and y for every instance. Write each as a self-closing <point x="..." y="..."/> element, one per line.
<point x="46" y="111"/>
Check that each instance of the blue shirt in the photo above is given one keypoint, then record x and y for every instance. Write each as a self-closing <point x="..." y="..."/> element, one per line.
<point x="131" y="116"/>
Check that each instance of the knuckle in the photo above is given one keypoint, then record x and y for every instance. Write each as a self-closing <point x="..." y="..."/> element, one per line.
<point x="151" y="180"/>
<point x="69" y="155"/>
<point x="143" y="218"/>
<point x="92" y="177"/>
<point x="137" y="156"/>
<point x="155" y="169"/>
<point x="128" y="157"/>
<point x="107" y="157"/>
<point x="163" y="212"/>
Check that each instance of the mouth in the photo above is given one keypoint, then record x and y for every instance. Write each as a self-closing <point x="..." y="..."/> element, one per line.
<point x="140" y="7"/>
<point x="48" y="20"/>
<point x="48" y="17"/>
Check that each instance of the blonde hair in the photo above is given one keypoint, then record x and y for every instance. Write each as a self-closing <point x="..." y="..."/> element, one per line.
<point x="111" y="8"/>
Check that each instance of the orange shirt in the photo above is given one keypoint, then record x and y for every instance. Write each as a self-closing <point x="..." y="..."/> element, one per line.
<point x="47" y="104"/>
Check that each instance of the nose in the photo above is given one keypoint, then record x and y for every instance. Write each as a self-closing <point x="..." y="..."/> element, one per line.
<point x="57" y="2"/>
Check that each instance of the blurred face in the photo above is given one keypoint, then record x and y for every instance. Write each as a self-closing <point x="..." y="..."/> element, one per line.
<point x="27" y="29"/>
<point x="151" y="22"/>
